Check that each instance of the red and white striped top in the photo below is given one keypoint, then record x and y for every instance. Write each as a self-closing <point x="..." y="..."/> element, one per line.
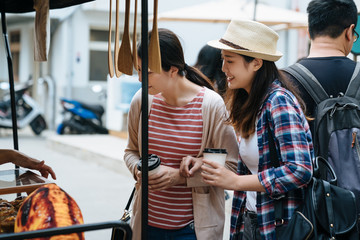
<point x="174" y="132"/>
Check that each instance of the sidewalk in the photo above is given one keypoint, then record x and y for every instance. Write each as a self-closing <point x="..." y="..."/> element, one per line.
<point x="105" y="150"/>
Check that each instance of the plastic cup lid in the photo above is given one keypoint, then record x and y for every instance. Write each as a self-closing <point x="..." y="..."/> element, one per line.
<point x="215" y="150"/>
<point x="154" y="162"/>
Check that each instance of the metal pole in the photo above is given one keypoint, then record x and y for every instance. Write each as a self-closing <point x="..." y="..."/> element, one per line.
<point x="11" y="82"/>
<point x="255" y="4"/>
<point x="123" y="228"/>
<point x="144" y="125"/>
<point x="12" y="92"/>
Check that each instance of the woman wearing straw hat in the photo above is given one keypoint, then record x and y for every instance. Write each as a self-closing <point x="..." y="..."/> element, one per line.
<point x="185" y="116"/>
<point x="259" y="97"/>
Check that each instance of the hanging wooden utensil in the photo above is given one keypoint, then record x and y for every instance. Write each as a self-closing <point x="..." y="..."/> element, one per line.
<point x="125" y="60"/>
<point x="110" y="62"/>
<point x="134" y="39"/>
<point x="154" y="46"/>
<point x="116" y="50"/>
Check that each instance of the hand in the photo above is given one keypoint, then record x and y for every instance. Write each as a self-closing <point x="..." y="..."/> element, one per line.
<point x="22" y="160"/>
<point x="217" y="175"/>
<point x="189" y="165"/>
<point x="44" y="169"/>
<point x="164" y="178"/>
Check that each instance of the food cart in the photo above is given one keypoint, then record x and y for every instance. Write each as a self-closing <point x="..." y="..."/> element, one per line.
<point x="27" y="181"/>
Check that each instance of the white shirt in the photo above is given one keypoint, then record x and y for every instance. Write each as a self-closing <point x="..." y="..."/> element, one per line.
<point x="249" y="152"/>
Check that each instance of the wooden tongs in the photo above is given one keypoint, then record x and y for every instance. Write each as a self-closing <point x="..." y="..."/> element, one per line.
<point x="125" y="59"/>
<point x="134" y="39"/>
<point x="110" y="62"/>
<point x="122" y="55"/>
<point x="154" y="46"/>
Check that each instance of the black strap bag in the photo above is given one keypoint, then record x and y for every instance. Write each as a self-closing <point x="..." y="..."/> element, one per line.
<point x="118" y="234"/>
<point x="328" y="211"/>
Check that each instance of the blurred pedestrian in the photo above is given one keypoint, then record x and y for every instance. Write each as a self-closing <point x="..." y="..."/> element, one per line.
<point x="209" y="62"/>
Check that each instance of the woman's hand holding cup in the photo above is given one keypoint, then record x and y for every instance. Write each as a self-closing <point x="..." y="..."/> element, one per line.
<point x="217" y="175"/>
<point x="215" y="155"/>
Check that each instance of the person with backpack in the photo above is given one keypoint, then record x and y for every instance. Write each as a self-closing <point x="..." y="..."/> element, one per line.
<point x="332" y="33"/>
<point x="260" y="104"/>
<point x="328" y="82"/>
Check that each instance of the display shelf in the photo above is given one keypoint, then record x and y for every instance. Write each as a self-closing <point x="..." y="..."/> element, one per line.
<point x="19" y="180"/>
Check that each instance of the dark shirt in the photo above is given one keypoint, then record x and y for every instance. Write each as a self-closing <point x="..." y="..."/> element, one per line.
<point x="333" y="73"/>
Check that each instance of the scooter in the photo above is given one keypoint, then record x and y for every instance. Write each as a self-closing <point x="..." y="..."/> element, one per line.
<point x="27" y="110"/>
<point x="81" y="118"/>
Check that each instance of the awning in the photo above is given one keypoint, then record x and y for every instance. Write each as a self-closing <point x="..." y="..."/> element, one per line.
<point x="56" y="14"/>
<point x="22" y="6"/>
<point x="225" y="10"/>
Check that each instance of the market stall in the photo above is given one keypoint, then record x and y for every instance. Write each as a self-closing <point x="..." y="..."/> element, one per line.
<point x="17" y="180"/>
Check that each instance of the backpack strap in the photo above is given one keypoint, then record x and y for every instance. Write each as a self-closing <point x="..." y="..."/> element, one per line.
<point x="329" y="207"/>
<point x="353" y="89"/>
<point x="308" y="81"/>
<point x="278" y="204"/>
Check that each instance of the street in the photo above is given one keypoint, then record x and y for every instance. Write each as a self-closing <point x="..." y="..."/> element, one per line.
<point x="101" y="193"/>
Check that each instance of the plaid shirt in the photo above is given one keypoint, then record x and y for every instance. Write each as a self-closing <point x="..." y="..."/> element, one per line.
<point x="294" y="145"/>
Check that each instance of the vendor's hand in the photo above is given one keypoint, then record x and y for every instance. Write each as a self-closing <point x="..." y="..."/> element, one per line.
<point x="22" y="160"/>
<point x="189" y="165"/>
<point x="44" y="169"/>
<point x="164" y="178"/>
<point x="219" y="176"/>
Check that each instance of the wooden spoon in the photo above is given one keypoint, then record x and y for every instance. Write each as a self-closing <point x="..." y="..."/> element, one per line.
<point x="125" y="56"/>
<point x="110" y="62"/>
<point x="134" y="39"/>
<point x="154" y="46"/>
<point x="116" y="51"/>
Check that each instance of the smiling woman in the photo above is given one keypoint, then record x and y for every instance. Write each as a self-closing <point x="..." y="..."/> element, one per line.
<point x="239" y="70"/>
<point x="261" y="107"/>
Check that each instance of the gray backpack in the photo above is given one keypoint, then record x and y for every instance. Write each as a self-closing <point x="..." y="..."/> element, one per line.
<point x="336" y="134"/>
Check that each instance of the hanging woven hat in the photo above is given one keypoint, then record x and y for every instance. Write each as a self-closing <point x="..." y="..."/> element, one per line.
<point x="251" y="39"/>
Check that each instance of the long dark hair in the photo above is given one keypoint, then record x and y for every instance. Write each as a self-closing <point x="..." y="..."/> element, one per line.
<point x="172" y="55"/>
<point x="244" y="107"/>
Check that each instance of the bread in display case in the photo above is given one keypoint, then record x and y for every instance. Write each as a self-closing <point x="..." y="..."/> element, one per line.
<point x="15" y="181"/>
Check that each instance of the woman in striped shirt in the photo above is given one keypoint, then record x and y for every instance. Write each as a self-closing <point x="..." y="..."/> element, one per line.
<point x="259" y="97"/>
<point x="185" y="117"/>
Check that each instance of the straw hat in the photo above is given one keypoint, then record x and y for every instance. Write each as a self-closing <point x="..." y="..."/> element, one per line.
<point x="249" y="38"/>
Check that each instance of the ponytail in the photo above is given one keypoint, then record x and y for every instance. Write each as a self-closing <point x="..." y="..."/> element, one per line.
<point x="197" y="77"/>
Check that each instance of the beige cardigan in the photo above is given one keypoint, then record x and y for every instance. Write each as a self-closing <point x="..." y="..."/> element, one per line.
<point x="208" y="202"/>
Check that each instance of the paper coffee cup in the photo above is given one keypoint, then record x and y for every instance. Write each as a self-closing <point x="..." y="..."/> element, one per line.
<point x="153" y="164"/>
<point x="215" y="155"/>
